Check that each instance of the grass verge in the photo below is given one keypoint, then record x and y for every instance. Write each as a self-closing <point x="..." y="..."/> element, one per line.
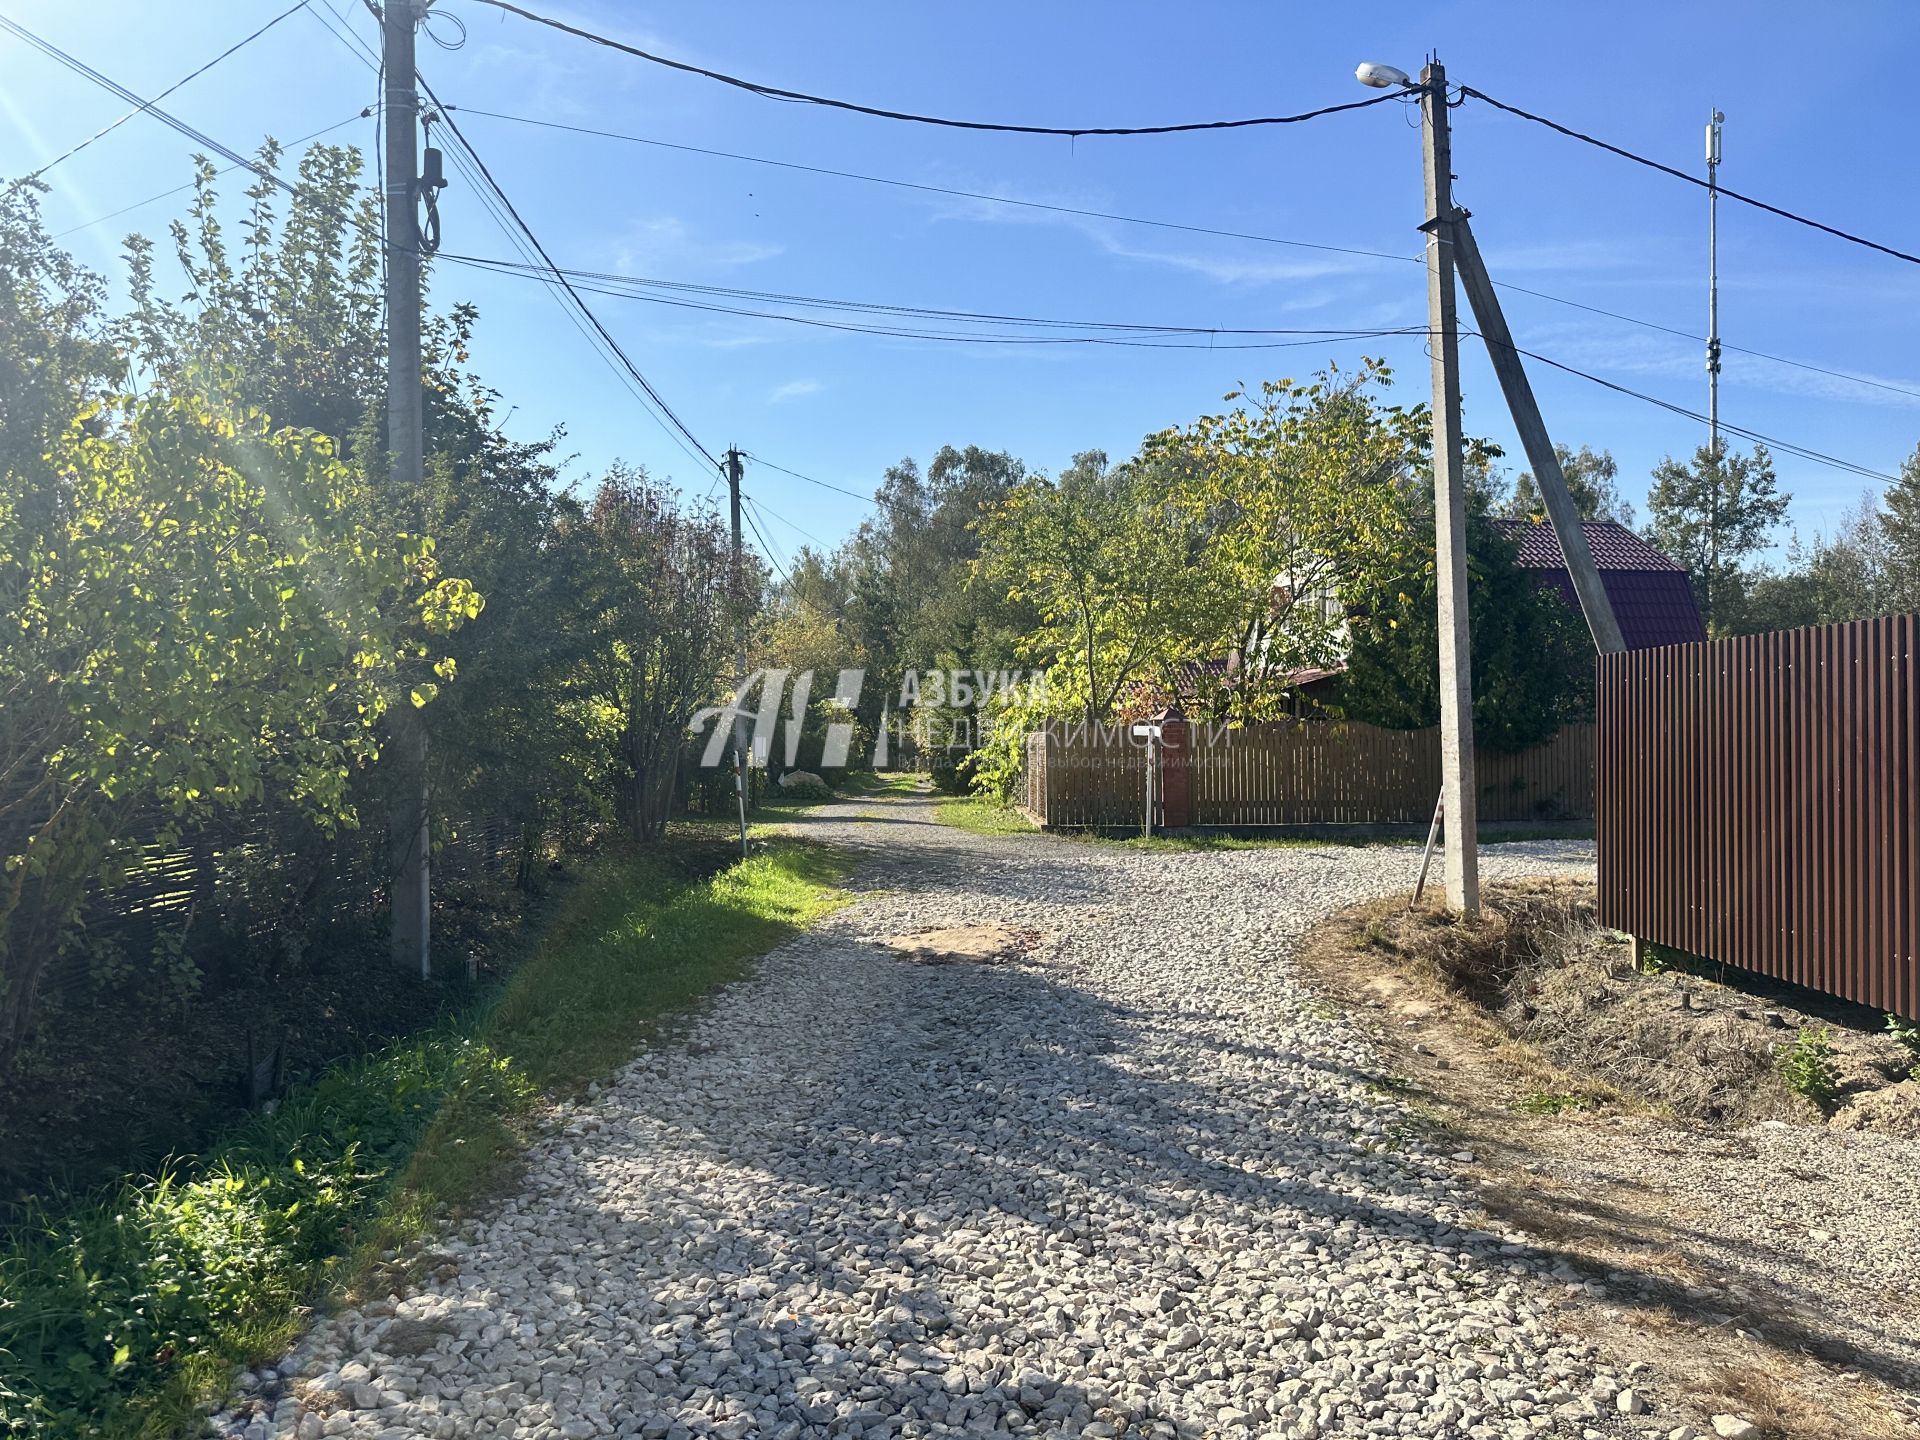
<point x="981" y="815"/>
<point x="122" y="1314"/>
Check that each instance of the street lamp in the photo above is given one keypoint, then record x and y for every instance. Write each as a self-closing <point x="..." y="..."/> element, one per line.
<point x="1380" y="77"/>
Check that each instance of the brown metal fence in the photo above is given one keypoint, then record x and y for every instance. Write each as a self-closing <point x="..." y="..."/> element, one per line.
<point x="1759" y="800"/>
<point x="1293" y="773"/>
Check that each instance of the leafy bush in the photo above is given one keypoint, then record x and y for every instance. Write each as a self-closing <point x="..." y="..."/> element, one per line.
<point x="1906" y="1034"/>
<point x="1806" y="1066"/>
<point x="805" y="785"/>
<point x="108" y="1300"/>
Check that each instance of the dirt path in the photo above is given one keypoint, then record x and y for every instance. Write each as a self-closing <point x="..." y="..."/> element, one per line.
<point x="1132" y="1178"/>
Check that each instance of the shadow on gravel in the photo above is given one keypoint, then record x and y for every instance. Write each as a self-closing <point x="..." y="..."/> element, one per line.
<point x="997" y="1093"/>
<point x="992" y="1094"/>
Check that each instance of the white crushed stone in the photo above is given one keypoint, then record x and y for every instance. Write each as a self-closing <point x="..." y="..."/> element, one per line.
<point x="1135" y="1183"/>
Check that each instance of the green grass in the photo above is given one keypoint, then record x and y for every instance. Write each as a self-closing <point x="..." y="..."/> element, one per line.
<point x="869" y="784"/>
<point x="120" y="1314"/>
<point x="981" y="815"/>
<point x="1552" y="1102"/>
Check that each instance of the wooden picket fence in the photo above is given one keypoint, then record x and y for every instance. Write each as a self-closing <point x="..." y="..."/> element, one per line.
<point x="1309" y="773"/>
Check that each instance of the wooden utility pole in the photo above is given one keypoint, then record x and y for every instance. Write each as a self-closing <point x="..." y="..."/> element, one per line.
<point x="1594" y="603"/>
<point x="1457" y="786"/>
<point x="410" y="851"/>
<point x="740" y="654"/>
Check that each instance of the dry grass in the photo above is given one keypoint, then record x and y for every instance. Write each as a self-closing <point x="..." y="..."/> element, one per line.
<point x="1532" y="1037"/>
<point x="1540" y="970"/>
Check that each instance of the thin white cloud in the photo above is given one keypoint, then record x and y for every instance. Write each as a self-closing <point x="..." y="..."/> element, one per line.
<point x="1615" y="355"/>
<point x="794" y="390"/>
<point x="665" y="246"/>
<point x="1229" y="263"/>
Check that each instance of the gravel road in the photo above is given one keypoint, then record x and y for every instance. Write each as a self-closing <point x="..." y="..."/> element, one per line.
<point x="1136" y="1181"/>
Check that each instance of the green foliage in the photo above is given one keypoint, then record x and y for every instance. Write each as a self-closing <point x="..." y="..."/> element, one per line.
<point x="1551" y="1102"/>
<point x="1806" y="1065"/>
<point x="1593" y="483"/>
<point x="1000" y="761"/>
<point x="672" y="613"/>
<point x="805" y="785"/>
<point x="202" y="617"/>
<point x="117" y="1314"/>
<point x="1713" y="515"/>
<point x="1900" y="533"/>
<point x="1533" y="668"/>
<point x="1098" y="556"/>
<point x="111" y="1299"/>
<point x="1847" y="574"/>
<point x="1296" y="505"/>
<point x="1906" y="1034"/>
<point x="981" y="815"/>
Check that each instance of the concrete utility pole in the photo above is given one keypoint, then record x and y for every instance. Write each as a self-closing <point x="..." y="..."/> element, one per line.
<point x="412" y="895"/>
<point x="740" y="655"/>
<point x="1594" y="603"/>
<point x="1458" y="790"/>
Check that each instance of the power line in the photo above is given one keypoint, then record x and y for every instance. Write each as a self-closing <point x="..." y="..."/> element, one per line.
<point x="941" y="189"/>
<point x="766" y="509"/>
<point x="766" y="549"/>
<point x="519" y="231"/>
<point x="224" y="170"/>
<point x="192" y="75"/>
<point x="1219" y="233"/>
<point x="922" y="311"/>
<point x="1136" y="336"/>
<point x="625" y="360"/>
<point x="1785" y="446"/>
<point x="823" y="484"/>
<point x="774" y="92"/>
<point x="1625" y="154"/>
<point x="143" y="106"/>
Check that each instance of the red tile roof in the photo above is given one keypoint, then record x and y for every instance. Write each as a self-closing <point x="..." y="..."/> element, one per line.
<point x="1652" y="597"/>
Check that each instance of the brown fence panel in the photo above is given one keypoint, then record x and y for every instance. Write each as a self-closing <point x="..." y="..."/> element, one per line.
<point x="1296" y="773"/>
<point x="1759" y="803"/>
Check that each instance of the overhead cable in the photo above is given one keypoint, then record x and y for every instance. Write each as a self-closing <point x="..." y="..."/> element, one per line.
<point x="146" y="105"/>
<point x="1124" y="219"/>
<point x="1679" y="174"/>
<point x="775" y="92"/>
<point x="546" y="260"/>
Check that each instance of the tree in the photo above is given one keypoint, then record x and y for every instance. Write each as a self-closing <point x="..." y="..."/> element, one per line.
<point x="1098" y="554"/>
<point x="1593" y="482"/>
<point x="208" y="619"/>
<point x="1900" y="532"/>
<point x="1533" y="666"/>
<point x="915" y="600"/>
<point x="1847" y="575"/>
<point x="1298" y="502"/>
<point x="1713" y="515"/>
<point x="673" y="618"/>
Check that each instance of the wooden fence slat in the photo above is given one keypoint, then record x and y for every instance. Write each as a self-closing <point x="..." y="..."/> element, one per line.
<point x="1300" y="773"/>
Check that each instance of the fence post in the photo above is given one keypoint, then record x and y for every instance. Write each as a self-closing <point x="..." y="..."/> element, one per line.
<point x="1176" y="773"/>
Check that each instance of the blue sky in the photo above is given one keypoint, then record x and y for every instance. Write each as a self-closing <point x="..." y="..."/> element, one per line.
<point x="1818" y="121"/>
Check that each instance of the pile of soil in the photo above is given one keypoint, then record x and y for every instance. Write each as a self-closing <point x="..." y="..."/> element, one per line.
<point x="1702" y="1040"/>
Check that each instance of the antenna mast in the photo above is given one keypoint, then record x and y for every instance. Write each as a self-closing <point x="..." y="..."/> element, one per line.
<point x="1713" y="281"/>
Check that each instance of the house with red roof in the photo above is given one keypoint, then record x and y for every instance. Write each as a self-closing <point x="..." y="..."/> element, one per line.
<point x="1651" y="594"/>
